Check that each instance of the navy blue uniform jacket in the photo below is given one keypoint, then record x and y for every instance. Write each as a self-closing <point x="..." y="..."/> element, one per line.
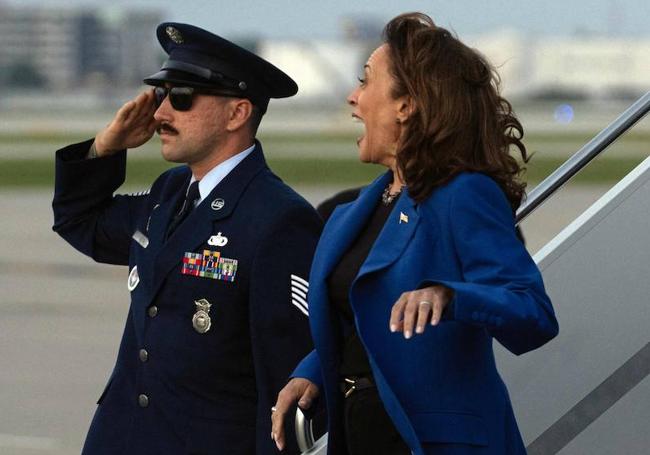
<point x="441" y="388"/>
<point x="191" y="392"/>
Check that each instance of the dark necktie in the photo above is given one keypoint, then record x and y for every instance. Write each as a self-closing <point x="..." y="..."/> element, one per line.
<point x="191" y="195"/>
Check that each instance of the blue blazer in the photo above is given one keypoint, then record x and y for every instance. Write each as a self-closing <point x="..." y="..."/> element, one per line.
<point x="192" y="391"/>
<point x="441" y="388"/>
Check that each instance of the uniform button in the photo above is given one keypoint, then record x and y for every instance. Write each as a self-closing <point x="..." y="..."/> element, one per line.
<point x="153" y="311"/>
<point x="143" y="400"/>
<point x="144" y="355"/>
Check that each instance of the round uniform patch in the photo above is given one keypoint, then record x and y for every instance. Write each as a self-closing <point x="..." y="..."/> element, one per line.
<point x="134" y="279"/>
<point x="218" y="204"/>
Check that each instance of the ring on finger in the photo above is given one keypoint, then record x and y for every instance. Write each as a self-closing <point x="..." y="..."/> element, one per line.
<point x="273" y="409"/>
<point x="424" y="302"/>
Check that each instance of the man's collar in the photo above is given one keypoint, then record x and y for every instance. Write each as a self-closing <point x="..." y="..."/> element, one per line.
<point x="219" y="172"/>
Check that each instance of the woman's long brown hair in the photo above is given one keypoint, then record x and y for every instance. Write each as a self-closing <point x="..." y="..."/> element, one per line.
<point x="459" y="120"/>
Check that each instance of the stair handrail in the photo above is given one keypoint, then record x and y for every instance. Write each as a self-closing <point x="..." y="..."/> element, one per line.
<point x="582" y="157"/>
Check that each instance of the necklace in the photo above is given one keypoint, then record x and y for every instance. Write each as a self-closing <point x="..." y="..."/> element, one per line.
<point x="387" y="197"/>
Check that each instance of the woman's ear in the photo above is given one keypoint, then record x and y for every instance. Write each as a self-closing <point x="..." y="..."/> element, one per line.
<point x="406" y="109"/>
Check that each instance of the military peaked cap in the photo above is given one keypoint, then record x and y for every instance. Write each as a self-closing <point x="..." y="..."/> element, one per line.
<point x="199" y="58"/>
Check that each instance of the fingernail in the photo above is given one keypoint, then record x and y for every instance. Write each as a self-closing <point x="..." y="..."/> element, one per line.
<point x="434" y="321"/>
<point x="272" y="436"/>
<point x="393" y="328"/>
<point x="419" y="329"/>
<point x="407" y="334"/>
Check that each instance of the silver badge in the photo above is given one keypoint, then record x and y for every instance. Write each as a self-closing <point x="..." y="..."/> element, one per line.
<point x="174" y="34"/>
<point x="218" y="240"/>
<point x="218" y="204"/>
<point x="134" y="279"/>
<point x="201" y="320"/>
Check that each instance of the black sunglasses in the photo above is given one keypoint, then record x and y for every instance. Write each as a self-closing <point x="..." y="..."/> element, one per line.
<point x="181" y="97"/>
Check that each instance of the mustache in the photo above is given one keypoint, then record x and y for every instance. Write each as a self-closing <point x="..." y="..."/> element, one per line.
<point x="167" y="128"/>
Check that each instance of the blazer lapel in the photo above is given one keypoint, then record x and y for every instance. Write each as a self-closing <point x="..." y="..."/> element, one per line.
<point x="341" y="229"/>
<point x="393" y="238"/>
<point x="344" y="226"/>
<point x="163" y="212"/>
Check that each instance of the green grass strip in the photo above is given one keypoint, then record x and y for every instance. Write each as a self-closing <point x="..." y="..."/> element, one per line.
<point x="16" y="173"/>
<point x="319" y="138"/>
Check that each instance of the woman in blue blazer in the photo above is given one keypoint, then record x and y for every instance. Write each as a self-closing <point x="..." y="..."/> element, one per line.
<point x="413" y="280"/>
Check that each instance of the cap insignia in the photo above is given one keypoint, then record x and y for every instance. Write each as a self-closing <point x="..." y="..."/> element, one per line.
<point x="174" y="34"/>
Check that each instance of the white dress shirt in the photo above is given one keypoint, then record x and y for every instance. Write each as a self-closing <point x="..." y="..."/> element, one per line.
<point x="218" y="173"/>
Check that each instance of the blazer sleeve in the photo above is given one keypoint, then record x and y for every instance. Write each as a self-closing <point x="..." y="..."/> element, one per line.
<point x="279" y="323"/>
<point x="309" y="368"/>
<point x="86" y="214"/>
<point x="502" y="289"/>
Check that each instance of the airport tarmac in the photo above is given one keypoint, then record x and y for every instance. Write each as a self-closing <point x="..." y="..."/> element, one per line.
<point x="62" y="316"/>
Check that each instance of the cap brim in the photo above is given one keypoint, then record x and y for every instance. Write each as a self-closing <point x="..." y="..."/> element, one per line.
<point x="177" y="78"/>
<point x="184" y="79"/>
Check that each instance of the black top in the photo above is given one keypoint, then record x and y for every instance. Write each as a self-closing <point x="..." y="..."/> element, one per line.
<point x="326" y="207"/>
<point x="354" y="360"/>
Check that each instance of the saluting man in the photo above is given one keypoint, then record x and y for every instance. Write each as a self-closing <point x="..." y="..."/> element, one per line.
<point x="218" y="253"/>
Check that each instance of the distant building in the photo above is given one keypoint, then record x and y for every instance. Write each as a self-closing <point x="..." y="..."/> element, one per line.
<point x="64" y="48"/>
<point x="324" y="70"/>
<point x="595" y="67"/>
<point x="57" y="48"/>
<point x="545" y="68"/>
<point x="568" y="67"/>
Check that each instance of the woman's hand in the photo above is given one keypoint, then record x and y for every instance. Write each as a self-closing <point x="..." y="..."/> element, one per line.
<point x="132" y="126"/>
<point x="419" y="307"/>
<point x="297" y="389"/>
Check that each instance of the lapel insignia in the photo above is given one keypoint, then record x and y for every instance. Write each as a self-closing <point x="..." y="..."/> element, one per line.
<point x="209" y="264"/>
<point x="218" y="204"/>
<point x="134" y="279"/>
<point x="403" y="218"/>
<point x="142" y="239"/>
<point x="201" y="320"/>
<point x="218" y="240"/>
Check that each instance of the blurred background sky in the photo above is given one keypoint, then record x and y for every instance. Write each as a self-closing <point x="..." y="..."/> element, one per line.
<point x="323" y="19"/>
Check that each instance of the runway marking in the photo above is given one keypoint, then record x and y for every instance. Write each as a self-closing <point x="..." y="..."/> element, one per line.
<point x="63" y="270"/>
<point x="14" y="441"/>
